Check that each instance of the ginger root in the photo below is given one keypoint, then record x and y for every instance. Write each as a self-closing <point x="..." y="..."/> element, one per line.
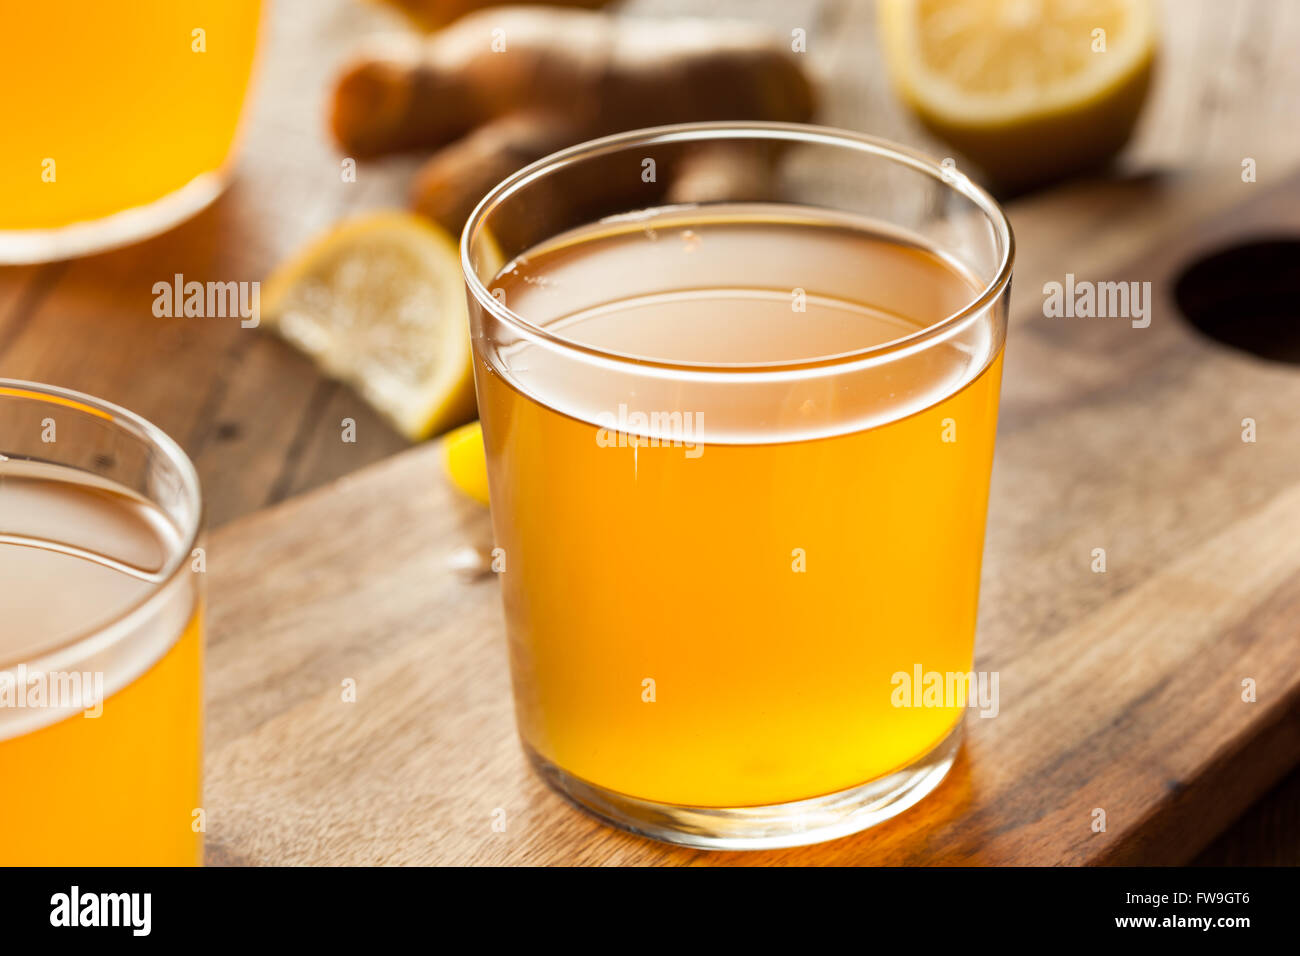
<point x="435" y="14"/>
<point x="505" y="86"/>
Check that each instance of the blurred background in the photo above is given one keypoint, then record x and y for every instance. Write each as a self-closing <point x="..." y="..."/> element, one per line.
<point x="262" y="420"/>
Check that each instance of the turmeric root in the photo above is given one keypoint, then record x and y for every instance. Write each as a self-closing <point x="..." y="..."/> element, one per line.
<point x="505" y="86"/>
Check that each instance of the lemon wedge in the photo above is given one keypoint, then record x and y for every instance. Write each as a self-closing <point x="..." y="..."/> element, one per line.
<point x="466" y="462"/>
<point x="379" y="302"/>
<point x="1028" y="90"/>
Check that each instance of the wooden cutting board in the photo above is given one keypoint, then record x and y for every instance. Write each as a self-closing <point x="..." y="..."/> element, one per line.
<point x="1120" y="691"/>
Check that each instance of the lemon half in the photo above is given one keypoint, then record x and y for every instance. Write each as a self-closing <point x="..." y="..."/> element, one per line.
<point x="1029" y="90"/>
<point x="379" y="303"/>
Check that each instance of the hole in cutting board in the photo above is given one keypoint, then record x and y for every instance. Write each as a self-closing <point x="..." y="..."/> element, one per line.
<point x="1247" y="296"/>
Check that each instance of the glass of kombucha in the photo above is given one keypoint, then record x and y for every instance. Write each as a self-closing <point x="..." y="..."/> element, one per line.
<point x="739" y="431"/>
<point x="100" y="636"/>
<point x="119" y="118"/>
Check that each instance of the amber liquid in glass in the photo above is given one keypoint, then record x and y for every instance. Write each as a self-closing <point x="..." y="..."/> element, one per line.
<point x="77" y="554"/>
<point x="722" y="629"/>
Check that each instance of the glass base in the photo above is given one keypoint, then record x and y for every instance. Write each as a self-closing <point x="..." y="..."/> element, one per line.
<point x="767" y="827"/>
<point x="26" y="246"/>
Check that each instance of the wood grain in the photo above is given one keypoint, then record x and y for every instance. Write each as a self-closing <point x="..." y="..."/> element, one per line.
<point x="1120" y="691"/>
<point x="263" y="425"/>
<point x="242" y="403"/>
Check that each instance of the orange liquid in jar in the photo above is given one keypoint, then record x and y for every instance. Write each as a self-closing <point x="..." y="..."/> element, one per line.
<point x="108" y="106"/>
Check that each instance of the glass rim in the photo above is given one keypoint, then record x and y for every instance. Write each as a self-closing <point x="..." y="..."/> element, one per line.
<point x="795" y="133"/>
<point x="104" y="635"/>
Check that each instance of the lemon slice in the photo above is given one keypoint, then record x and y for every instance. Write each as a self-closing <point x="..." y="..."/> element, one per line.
<point x="466" y="462"/>
<point x="1029" y="90"/>
<point x="379" y="303"/>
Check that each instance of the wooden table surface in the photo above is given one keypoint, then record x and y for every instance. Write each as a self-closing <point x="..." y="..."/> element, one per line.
<point x="262" y="425"/>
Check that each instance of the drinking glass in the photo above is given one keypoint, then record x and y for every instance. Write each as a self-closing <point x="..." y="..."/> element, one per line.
<point x="738" y="385"/>
<point x="101" y="641"/>
<point x="120" y="118"/>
